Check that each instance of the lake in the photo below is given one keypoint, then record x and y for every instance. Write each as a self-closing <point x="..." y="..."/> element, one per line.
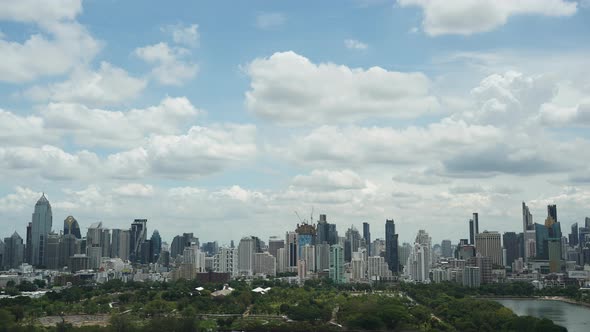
<point x="573" y="317"/>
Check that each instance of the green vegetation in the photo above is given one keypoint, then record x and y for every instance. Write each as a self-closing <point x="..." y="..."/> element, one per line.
<point x="317" y="306"/>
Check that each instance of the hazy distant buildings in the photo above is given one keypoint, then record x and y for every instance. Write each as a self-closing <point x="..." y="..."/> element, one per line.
<point x="42" y="222"/>
<point x="446" y="248"/>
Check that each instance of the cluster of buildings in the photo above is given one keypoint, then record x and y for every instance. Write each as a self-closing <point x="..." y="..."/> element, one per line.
<point x="539" y="254"/>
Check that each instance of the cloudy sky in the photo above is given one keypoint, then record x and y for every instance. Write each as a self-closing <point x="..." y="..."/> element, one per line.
<point x="222" y="118"/>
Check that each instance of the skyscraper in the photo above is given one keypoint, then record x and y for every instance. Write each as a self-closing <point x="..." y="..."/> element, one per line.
<point x="527" y="219"/>
<point x="14" y="250"/>
<point x="246" y="250"/>
<point x="71" y="226"/>
<point x="120" y="244"/>
<point x="391" y="246"/>
<point x="574" y="236"/>
<point x="29" y="244"/>
<point x="306" y="235"/>
<point x="274" y="244"/>
<point x="337" y="264"/>
<point x="367" y="236"/>
<point x="471" y="232"/>
<point x="476" y="222"/>
<point x="291" y="249"/>
<point x="446" y="248"/>
<point x="552" y="211"/>
<point x="510" y="240"/>
<point x="41" y="226"/>
<point x="488" y="245"/>
<point x="137" y="236"/>
<point x="156" y="246"/>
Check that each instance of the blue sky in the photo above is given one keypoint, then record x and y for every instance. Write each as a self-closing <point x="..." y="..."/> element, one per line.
<point x="216" y="116"/>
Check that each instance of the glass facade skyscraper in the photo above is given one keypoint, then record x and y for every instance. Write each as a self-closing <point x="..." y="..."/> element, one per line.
<point x="42" y="221"/>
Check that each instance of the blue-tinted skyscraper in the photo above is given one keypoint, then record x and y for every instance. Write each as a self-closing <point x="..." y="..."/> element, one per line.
<point x="71" y="226"/>
<point x="391" y="246"/>
<point x="42" y="221"/>
<point x="367" y="237"/>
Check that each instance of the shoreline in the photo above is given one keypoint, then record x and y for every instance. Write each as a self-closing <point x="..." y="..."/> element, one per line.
<point x="543" y="298"/>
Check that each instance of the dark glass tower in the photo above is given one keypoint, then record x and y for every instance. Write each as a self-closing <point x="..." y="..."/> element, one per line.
<point x="367" y="237"/>
<point x="552" y="211"/>
<point x="71" y="226"/>
<point x="156" y="246"/>
<point x="510" y="240"/>
<point x="391" y="246"/>
<point x="471" y="232"/>
<point x="574" y="235"/>
<point x="41" y="226"/>
<point x="138" y="235"/>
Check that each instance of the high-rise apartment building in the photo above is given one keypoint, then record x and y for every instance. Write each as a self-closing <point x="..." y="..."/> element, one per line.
<point x="226" y="261"/>
<point x="337" y="264"/>
<point x="42" y="222"/>
<point x="120" y="244"/>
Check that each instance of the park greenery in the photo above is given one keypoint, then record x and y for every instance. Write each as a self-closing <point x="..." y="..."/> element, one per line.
<point x="319" y="305"/>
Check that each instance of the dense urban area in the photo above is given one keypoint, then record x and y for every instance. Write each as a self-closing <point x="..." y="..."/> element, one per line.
<point x="313" y="279"/>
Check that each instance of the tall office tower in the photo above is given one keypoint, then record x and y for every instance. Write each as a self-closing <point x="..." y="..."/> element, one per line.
<point x="358" y="266"/>
<point x="265" y="264"/>
<point x="42" y="222"/>
<point x="510" y="240"/>
<point x="471" y="232"/>
<point x="29" y="244"/>
<point x="574" y="236"/>
<point x="550" y="231"/>
<point x="367" y="236"/>
<point x="391" y="246"/>
<point x="94" y="257"/>
<point x="94" y="235"/>
<point x="322" y="230"/>
<point x="587" y="222"/>
<point x="527" y="219"/>
<point x="291" y="249"/>
<point x="246" y="251"/>
<point x="52" y="251"/>
<point x="226" y="261"/>
<point x="137" y="236"/>
<point x="14" y="251"/>
<point x="71" y="226"/>
<point x="489" y="245"/>
<point x="145" y="252"/>
<point x="337" y="264"/>
<point x="354" y="240"/>
<point x="156" y="243"/>
<point x="322" y="257"/>
<point x="105" y="242"/>
<point x="520" y="243"/>
<point x="182" y="241"/>
<point x="68" y="248"/>
<point x="552" y="211"/>
<point x="476" y="222"/>
<point x="308" y="255"/>
<point x="306" y="235"/>
<point x="424" y="239"/>
<point x="274" y="244"/>
<point x="120" y="243"/>
<point x="446" y="248"/>
<point x="2" y="247"/>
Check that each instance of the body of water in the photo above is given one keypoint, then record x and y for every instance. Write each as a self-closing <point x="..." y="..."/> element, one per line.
<point x="573" y="317"/>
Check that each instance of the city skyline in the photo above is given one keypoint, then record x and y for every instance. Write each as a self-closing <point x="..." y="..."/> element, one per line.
<point x="213" y="117"/>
